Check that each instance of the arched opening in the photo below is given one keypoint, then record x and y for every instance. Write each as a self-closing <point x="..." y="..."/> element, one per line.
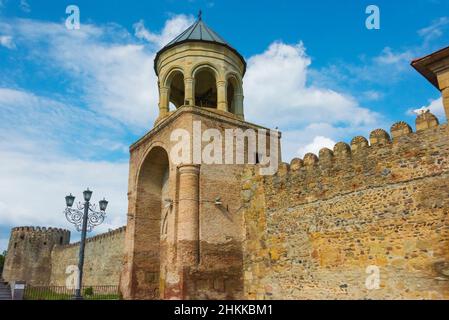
<point x="177" y="89"/>
<point x="152" y="189"/>
<point x="205" y="89"/>
<point x="230" y="94"/>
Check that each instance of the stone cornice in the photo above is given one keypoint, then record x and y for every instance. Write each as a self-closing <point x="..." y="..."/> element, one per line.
<point x="208" y="113"/>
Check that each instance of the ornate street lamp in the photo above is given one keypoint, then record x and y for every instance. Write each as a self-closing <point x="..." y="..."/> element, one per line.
<point x="85" y="218"/>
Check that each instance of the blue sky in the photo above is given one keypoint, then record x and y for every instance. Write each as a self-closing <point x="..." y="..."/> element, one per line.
<point x="72" y="101"/>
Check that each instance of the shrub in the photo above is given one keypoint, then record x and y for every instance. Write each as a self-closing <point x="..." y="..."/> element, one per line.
<point x="89" y="291"/>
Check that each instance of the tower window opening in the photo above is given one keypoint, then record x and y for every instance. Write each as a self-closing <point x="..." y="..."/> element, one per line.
<point x="230" y="93"/>
<point x="15" y="245"/>
<point x="60" y="240"/>
<point x="206" y="89"/>
<point x="258" y="156"/>
<point x="177" y="91"/>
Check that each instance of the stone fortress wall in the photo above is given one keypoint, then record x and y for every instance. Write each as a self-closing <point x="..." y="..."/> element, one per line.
<point x="40" y="256"/>
<point x="29" y="253"/>
<point x="314" y="228"/>
<point x="102" y="264"/>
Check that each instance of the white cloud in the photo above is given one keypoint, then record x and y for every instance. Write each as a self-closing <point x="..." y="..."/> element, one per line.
<point x="25" y="6"/>
<point x="318" y="143"/>
<point x="7" y="42"/>
<point x="435" y="30"/>
<point x="113" y="76"/>
<point x="111" y="72"/>
<point x="389" y="57"/>
<point x="277" y="94"/>
<point x="31" y="123"/>
<point x="401" y="58"/>
<point x="33" y="188"/>
<point x="385" y="68"/>
<point x="36" y="169"/>
<point x="435" y="106"/>
<point x="372" y="95"/>
<point x="173" y="27"/>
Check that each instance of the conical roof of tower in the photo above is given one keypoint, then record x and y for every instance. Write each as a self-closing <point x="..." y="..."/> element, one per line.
<point x="198" y="32"/>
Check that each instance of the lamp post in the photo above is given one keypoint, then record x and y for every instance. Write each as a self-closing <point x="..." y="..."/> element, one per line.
<point x="85" y="218"/>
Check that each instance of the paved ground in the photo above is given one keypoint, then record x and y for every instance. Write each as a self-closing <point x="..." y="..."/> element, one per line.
<point x="5" y="291"/>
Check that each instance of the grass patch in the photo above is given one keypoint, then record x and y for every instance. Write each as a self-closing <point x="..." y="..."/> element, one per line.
<point x="62" y="293"/>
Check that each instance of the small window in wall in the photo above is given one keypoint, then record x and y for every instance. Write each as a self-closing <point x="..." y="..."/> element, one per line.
<point x="60" y="240"/>
<point x="15" y="245"/>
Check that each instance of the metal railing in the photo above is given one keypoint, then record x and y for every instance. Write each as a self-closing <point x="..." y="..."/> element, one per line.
<point x="64" y="293"/>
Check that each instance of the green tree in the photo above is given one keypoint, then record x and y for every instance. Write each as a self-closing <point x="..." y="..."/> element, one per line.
<point x="2" y="261"/>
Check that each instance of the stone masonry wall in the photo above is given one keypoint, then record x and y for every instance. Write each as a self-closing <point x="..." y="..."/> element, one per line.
<point x="29" y="253"/>
<point x="312" y="230"/>
<point x="103" y="261"/>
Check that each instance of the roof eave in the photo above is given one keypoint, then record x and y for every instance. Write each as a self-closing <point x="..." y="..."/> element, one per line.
<point x="198" y="41"/>
<point x="425" y="65"/>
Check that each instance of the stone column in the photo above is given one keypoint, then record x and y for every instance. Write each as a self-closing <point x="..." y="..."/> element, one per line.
<point x="445" y="94"/>
<point x="189" y="97"/>
<point x="443" y="83"/>
<point x="164" y="101"/>
<point x="238" y="100"/>
<point x="222" y="104"/>
<point x="188" y="215"/>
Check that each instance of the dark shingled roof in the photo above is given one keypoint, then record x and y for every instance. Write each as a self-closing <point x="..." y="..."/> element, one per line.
<point x="198" y="32"/>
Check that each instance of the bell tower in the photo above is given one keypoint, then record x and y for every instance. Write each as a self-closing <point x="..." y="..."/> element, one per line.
<point x="184" y="234"/>
<point x="198" y="68"/>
